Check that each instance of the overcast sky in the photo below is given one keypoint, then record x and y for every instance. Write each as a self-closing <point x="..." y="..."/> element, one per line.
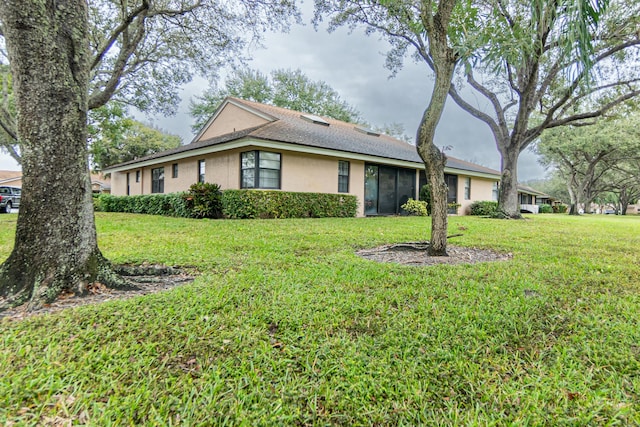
<point x="353" y="64"/>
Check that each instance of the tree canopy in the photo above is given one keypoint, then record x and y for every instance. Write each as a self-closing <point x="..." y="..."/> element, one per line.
<point x="68" y="57"/>
<point x="142" y="51"/>
<point x="116" y="138"/>
<point x="290" y="89"/>
<point x="525" y="66"/>
<point x="595" y="160"/>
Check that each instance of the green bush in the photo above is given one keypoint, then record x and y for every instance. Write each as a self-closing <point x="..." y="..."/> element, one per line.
<point x="425" y="194"/>
<point x="483" y="208"/>
<point x="546" y="209"/>
<point x="283" y="204"/>
<point x="204" y="200"/>
<point x="560" y="209"/>
<point x="172" y="204"/>
<point x="415" y="207"/>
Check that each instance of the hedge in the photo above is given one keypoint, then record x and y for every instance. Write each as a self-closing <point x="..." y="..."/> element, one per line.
<point x="237" y="204"/>
<point x="173" y="204"/>
<point x="483" y="208"/>
<point x="283" y="204"/>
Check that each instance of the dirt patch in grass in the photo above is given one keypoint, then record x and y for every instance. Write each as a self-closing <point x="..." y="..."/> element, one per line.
<point x="146" y="279"/>
<point x="415" y="253"/>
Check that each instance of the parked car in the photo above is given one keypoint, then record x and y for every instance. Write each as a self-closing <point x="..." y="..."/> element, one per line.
<point x="9" y="198"/>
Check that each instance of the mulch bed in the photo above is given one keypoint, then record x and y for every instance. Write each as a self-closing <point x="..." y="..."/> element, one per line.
<point x="415" y="253"/>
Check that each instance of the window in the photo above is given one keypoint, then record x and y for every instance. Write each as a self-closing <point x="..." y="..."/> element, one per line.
<point x="467" y="188"/>
<point x="137" y="176"/>
<point x="343" y="176"/>
<point x="495" y="192"/>
<point x="260" y="169"/>
<point x="174" y="170"/>
<point x="201" y="167"/>
<point x="157" y="180"/>
<point x="128" y="186"/>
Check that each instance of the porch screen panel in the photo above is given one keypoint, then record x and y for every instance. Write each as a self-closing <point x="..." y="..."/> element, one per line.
<point x="387" y="196"/>
<point x="371" y="190"/>
<point x="452" y="190"/>
<point x="406" y="186"/>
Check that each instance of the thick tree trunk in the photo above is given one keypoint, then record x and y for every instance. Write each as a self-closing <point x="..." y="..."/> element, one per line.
<point x="573" y="197"/>
<point x="55" y="246"/>
<point x="508" y="196"/>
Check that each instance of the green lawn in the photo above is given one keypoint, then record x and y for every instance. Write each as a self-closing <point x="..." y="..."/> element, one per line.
<point x="286" y="326"/>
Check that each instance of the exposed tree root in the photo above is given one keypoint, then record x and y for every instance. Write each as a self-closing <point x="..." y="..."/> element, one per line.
<point x="141" y="280"/>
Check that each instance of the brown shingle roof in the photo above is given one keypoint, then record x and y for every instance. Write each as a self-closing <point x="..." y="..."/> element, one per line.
<point x="291" y="127"/>
<point x="288" y="126"/>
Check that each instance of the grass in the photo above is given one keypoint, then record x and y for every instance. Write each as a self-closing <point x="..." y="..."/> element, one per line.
<point x="286" y="326"/>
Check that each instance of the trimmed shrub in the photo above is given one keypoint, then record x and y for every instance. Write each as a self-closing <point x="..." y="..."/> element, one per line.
<point x="239" y="204"/>
<point x="545" y="209"/>
<point x="483" y="208"/>
<point x="415" y="207"/>
<point x="560" y="209"/>
<point x="172" y="204"/>
<point x="204" y="200"/>
<point x="425" y="194"/>
<point x="233" y="204"/>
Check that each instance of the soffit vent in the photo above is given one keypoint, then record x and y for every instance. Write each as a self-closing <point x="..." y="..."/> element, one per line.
<point x="314" y="119"/>
<point x="367" y="131"/>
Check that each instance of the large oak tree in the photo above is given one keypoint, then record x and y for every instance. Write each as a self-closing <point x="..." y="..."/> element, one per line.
<point x="66" y="57"/>
<point x="595" y="160"/>
<point x="547" y="64"/>
<point x="525" y="65"/>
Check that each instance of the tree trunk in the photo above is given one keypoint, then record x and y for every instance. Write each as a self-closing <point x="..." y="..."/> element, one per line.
<point x="444" y="60"/>
<point x="55" y="245"/>
<point x="573" y="195"/>
<point x="508" y="196"/>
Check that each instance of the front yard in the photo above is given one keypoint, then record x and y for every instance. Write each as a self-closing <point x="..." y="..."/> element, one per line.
<point x="285" y="325"/>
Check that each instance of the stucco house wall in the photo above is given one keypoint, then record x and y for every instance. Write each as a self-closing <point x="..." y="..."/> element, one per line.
<point x="481" y="190"/>
<point x="229" y="119"/>
<point x="310" y="149"/>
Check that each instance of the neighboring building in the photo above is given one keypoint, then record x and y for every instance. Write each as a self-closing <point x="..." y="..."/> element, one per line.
<point x="100" y="184"/>
<point x="530" y="199"/>
<point x="251" y="145"/>
<point x="11" y="178"/>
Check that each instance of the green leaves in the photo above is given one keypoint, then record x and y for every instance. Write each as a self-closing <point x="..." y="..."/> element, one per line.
<point x="290" y="89"/>
<point x="116" y="138"/>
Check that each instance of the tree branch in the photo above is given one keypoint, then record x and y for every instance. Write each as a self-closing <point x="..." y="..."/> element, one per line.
<point x="143" y="8"/>
<point x="100" y="97"/>
<point x="462" y="103"/>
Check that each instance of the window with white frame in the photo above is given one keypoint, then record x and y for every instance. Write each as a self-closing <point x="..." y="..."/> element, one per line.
<point x="157" y="180"/>
<point x="201" y="170"/>
<point x="467" y="188"/>
<point x="343" y="176"/>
